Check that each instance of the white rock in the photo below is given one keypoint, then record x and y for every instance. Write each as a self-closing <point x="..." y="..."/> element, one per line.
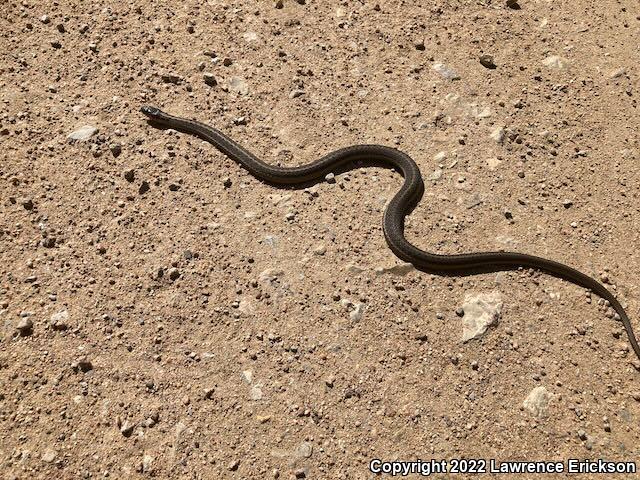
<point x="537" y="402"/>
<point x="247" y="376"/>
<point x="357" y="309"/>
<point x="60" y="318"/>
<point x="270" y="275"/>
<point x="238" y="85"/>
<point x="480" y="312"/>
<point x="270" y="240"/>
<point x="246" y="307"/>
<point x="436" y="175"/>
<point x="440" y="156"/>
<point x="83" y="133"/>
<point x="478" y="111"/>
<point x="250" y="36"/>
<point x="498" y="134"/>
<point x="357" y="312"/>
<point x="445" y="72"/>
<point x="304" y="450"/>
<point x="280" y="199"/>
<point x="556" y="62"/>
<point x="321" y="249"/>
<point x="620" y="72"/>
<point x="493" y="163"/>
<point x="255" y="393"/>
<point x="49" y="455"/>
<point x="147" y="461"/>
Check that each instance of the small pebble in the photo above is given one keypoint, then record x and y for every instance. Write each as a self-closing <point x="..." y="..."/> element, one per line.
<point x="59" y="320"/>
<point x="25" y="327"/>
<point x="171" y="78"/>
<point x="49" y="455"/>
<point x="127" y="429"/>
<point x="27" y="203"/>
<point x="83" y="364"/>
<point x="210" y="79"/>
<point x="487" y="62"/>
<point x="174" y="273"/>
<point x="116" y="149"/>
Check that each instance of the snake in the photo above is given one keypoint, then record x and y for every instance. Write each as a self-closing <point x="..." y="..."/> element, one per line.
<point x="401" y="205"/>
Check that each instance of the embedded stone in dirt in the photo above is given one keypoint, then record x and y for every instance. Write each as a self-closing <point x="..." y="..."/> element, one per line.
<point x="537" y="402"/>
<point x="83" y="133"/>
<point x="480" y="312"/>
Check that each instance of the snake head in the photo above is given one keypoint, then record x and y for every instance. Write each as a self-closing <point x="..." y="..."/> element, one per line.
<point x="151" y="112"/>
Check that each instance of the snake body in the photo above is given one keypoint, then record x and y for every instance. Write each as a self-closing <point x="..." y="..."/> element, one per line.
<point x="398" y="208"/>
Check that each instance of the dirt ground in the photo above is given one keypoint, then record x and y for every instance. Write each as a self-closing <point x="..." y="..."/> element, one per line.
<point x="165" y="314"/>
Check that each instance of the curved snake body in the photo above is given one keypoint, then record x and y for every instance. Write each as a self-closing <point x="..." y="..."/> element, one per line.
<point x="398" y="208"/>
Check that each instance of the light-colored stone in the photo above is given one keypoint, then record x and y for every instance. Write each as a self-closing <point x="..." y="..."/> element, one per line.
<point x="480" y="312"/>
<point x="238" y="85"/>
<point x="147" y="462"/>
<point x="255" y="393"/>
<point x="537" y="402"/>
<point x="270" y="275"/>
<point x="617" y="73"/>
<point x="353" y="268"/>
<point x="498" y="134"/>
<point x="49" y="455"/>
<point x="83" y="133"/>
<point x="59" y="320"/>
<point x="445" y="72"/>
<point x="250" y="37"/>
<point x="440" y="156"/>
<point x="304" y="450"/>
<point x="555" y="61"/>
<point x="436" y="175"/>
<point x="247" y="376"/>
<point x="357" y="312"/>
<point x="493" y="163"/>
<point x="246" y="306"/>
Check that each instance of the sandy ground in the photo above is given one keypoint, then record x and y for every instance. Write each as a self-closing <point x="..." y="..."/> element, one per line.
<point x="164" y="314"/>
